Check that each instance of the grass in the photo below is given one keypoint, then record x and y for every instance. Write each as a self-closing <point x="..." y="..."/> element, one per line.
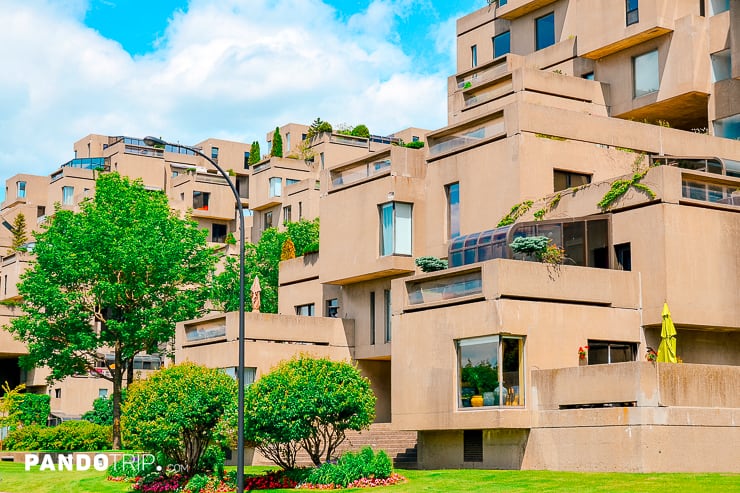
<point x="14" y="479"/>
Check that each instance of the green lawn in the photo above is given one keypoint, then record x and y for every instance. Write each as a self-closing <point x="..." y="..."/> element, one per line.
<point x="14" y="479"/>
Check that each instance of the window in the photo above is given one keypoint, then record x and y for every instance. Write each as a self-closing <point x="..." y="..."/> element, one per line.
<point x="605" y="352"/>
<point x="246" y="159"/>
<point x="387" y="321"/>
<point x="267" y="223"/>
<point x="719" y="6"/>
<point x="214" y="153"/>
<point x="491" y="371"/>
<point x="588" y="76"/>
<point x="305" y="310"/>
<point x="721" y="66"/>
<point x="68" y="195"/>
<point x="269" y="147"/>
<point x="287" y="142"/>
<point x="623" y="252"/>
<point x="242" y="186"/>
<point x="728" y="128"/>
<point x="300" y="210"/>
<point x="633" y="16"/>
<point x="58" y="393"/>
<point x="568" y="179"/>
<point x="200" y="200"/>
<point x="545" y="31"/>
<point x="286" y="214"/>
<point x="501" y="44"/>
<point x="332" y="308"/>
<point x="372" y="318"/>
<point x="702" y="9"/>
<point x="501" y="3"/>
<point x="248" y="376"/>
<point x="415" y="138"/>
<point x="645" y="74"/>
<point x="40" y="211"/>
<point x="218" y="233"/>
<point x="474" y="56"/>
<point x="175" y="174"/>
<point x="276" y="185"/>
<point x="102" y="393"/>
<point x="291" y="181"/>
<point x="472" y="445"/>
<point x="453" y="210"/>
<point x="395" y="231"/>
<point x="321" y="158"/>
<point x="20" y="189"/>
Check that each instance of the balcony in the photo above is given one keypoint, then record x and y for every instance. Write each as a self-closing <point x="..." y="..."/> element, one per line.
<point x="94" y="163"/>
<point x="359" y="172"/>
<point x="466" y="135"/>
<point x="518" y="8"/>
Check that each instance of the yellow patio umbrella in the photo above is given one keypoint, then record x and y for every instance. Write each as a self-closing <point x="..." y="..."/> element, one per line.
<point x="667" y="349"/>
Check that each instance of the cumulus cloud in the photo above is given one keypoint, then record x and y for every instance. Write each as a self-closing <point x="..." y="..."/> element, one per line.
<point x="229" y="69"/>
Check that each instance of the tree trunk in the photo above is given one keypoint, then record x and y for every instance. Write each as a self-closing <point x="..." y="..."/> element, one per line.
<point x="129" y="372"/>
<point x="117" y="385"/>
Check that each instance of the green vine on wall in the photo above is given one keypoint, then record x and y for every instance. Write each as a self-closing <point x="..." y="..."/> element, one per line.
<point x="539" y="215"/>
<point x="515" y="213"/>
<point x="620" y="187"/>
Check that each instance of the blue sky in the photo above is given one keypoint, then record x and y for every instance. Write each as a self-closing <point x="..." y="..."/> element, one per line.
<point x="232" y="69"/>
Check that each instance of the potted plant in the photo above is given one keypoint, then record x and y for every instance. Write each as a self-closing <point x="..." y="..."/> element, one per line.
<point x="483" y="377"/>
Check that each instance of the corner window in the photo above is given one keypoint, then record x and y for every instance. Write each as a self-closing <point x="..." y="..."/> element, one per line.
<point x="218" y="233"/>
<point x="545" y="31"/>
<point x="395" y="228"/>
<point x="68" y="194"/>
<point x="721" y="66"/>
<point x="501" y="44"/>
<point x="646" y="77"/>
<point x="719" y="6"/>
<point x="305" y="310"/>
<point x="201" y="200"/>
<point x="474" y="56"/>
<point x="214" y="153"/>
<point x="491" y="371"/>
<point x="567" y="179"/>
<point x="332" y="308"/>
<point x="453" y="210"/>
<point x="276" y="185"/>
<point x="633" y="16"/>
<point x="20" y="189"/>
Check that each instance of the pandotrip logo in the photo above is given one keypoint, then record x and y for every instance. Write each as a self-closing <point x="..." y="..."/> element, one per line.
<point x="99" y="462"/>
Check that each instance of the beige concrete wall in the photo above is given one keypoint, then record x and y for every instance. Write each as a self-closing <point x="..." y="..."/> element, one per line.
<point x="379" y="374"/>
<point x="299" y="285"/>
<point x="13" y="266"/>
<point x="502" y="449"/>
<point x="356" y="306"/>
<point x="9" y="346"/>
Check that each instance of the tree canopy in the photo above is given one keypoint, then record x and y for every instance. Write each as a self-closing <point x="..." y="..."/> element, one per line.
<point x="115" y="277"/>
<point x="309" y="403"/>
<point x="277" y="143"/>
<point x="254" y="153"/>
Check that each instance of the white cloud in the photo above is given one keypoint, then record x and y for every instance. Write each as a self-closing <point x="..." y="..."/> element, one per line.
<point x="229" y="69"/>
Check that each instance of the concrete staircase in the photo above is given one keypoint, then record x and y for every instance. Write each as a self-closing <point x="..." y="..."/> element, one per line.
<point x="399" y="445"/>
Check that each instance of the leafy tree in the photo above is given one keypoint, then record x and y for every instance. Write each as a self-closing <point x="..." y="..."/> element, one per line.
<point x="102" y="411"/>
<point x="9" y="413"/>
<point x="31" y="408"/>
<point x="277" y="144"/>
<point x="288" y="251"/>
<point x="19" y="234"/>
<point x="361" y="130"/>
<point x="307" y="401"/>
<point x="180" y="411"/>
<point x="254" y="153"/>
<point x="317" y="127"/>
<point x="116" y="276"/>
<point x="303" y="233"/>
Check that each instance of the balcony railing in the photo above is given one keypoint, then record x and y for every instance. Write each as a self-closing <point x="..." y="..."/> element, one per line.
<point x="445" y="288"/>
<point x="710" y="192"/>
<point x="356" y="173"/>
<point x="144" y="151"/>
<point x="440" y="145"/>
<point x="86" y="163"/>
<point x="349" y="140"/>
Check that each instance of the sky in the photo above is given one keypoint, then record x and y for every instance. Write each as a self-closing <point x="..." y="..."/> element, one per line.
<point x="187" y="70"/>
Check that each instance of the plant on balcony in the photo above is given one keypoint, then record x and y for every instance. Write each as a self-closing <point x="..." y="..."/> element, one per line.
<point x="230" y="239"/>
<point x="254" y="153"/>
<point x="277" y="144"/>
<point x="582" y="353"/>
<point x="361" y="130"/>
<point x="20" y="239"/>
<point x="414" y="145"/>
<point x="530" y="245"/>
<point x="288" y="250"/>
<point x="651" y="354"/>
<point x="318" y="126"/>
<point x="515" y="213"/>
<point x="431" y="264"/>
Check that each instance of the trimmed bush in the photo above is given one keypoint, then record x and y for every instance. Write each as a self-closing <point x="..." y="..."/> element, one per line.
<point x="414" y="145"/>
<point x="72" y="436"/>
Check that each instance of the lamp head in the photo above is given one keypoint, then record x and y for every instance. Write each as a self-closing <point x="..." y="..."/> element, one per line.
<point x="153" y="141"/>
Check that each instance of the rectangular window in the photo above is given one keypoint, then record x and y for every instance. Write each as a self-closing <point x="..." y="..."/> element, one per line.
<point x="719" y="6"/>
<point x="276" y="185"/>
<point x="305" y="310"/>
<point x="387" y="320"/>
<point x="395" y="228"/>
<point x="332" y="308"/>
<point x="453" y="210"/>
<point x="267" y="223"/>
<point x="242" y="186"/>
<point x="474" y="56"/>
<point x="269" y="147"/>
<point x="286" y="214"/>
<point x="291" y="181"/>
<point x="567" y="179"/>
<point x="20" y="189"/>
<point x="248" y="377"/>
<point x="300" y="210"/>
<point x="501" y="44"/>
<point x="102" y="393"/>
<point x="633" y="16"/>
<point x="702" y="8"/>
<point x="645" y="74"/>
<point x="321" y="158"/>
<point x="218" y="233"/>
<point x="606" y="352"/>
<point x="545" y="31"/>
<point x="372" y="318"/>
<point x="491" y="371"/>
<point x="68" y="194"/>
<point x="246" y="159"/>
<point x="58" y="393"/>
<point x="501" y="3"/>
<point x="287" y="142"/>
<point x="201" y="200"/>
<point x="721" y="66"/>
<point x="588" y="76"/>
<point x="623" y="252"/>
<point x="214" y="153"/>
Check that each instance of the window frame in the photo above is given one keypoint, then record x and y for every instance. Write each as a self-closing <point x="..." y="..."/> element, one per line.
<point x="20" y="189"/>
<point x="538" y="34"/>
<point x="310" y="308"/>
<point x="500" y="36"/>
<point x="405" y="248"/>
<point x="474" y="56"/>
<point x="453" y="209"/>
<point x="632" y="15"/>
<point x="68" y="195"/>
<point x="275" y="186"/>
<point x="637" y="60"/>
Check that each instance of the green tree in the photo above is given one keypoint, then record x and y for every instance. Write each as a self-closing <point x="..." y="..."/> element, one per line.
<point x="179" y="411"/>
<point x="277" y="144"/>
<point x="102" y="411"/>
<point x="288" y="251"/>
<point x="9" y="413"/>
<point x="20" y="238"/>
<point x="307" y="401"/>
<point x="254" y="153"/>
<point x="304" y="234"/>
<point x="119" y="274"/>
<point x="361" y="130"/>
<point x="31" y="408"/>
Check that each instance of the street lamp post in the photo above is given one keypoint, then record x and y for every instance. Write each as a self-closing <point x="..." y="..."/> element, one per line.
<point x="152" y="141"/>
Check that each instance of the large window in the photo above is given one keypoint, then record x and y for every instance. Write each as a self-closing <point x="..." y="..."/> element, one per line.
<point x="453" y="210"/>
<point x="491" y="371"/>
<point x="200" y="200"/>
<point x="645" y="74"/>
<point x="20" y="189"/>
<point x="395" y="228"/>
<point x="68" y="194"/>
<point x="474" y="56"/>
<point x="276" y="187"/>
<point x="501" y="44"/>
<point x="545" y="31"/>
<point x="305" y="310"/>
<point x="218" y="233"/>
<point x="568" y="179"/>
<point x="633" y="15"/>
<point x="605" y="352"/>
